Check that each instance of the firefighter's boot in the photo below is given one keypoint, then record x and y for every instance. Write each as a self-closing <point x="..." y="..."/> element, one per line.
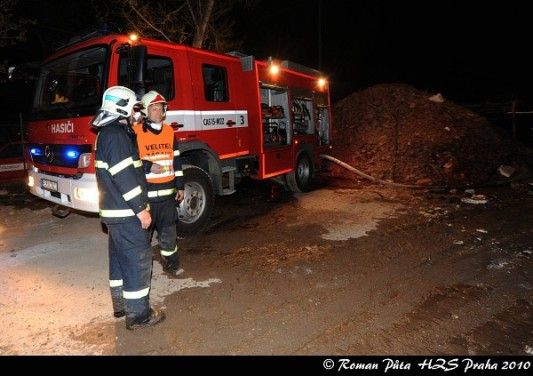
<point x="118" y="302"/>
<point x="153" y="317"/>
<point x="171" y="261"/>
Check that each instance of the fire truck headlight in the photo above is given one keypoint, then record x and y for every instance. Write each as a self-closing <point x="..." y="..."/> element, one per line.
<point x="31" y="182"/>
<point x="86" y="194"/>
<point x="85" y="160"/>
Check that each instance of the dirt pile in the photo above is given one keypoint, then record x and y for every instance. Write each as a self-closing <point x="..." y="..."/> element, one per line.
<point x="396" y="133"/>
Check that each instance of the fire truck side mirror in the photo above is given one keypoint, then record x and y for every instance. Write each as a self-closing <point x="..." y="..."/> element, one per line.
<point x="138" y="54"/>
<point x="136" y="66"/>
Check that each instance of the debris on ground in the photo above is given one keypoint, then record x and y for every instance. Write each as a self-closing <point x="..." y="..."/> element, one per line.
<point x="394" y="133"/>
<point x="437" y="98"/>
<point x="506" y="171"/>
<point x="475" y="200"/>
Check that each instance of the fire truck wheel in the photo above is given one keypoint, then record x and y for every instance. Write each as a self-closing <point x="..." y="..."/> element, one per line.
<point x="299" y="180"/>
<point x="195" y="209"/>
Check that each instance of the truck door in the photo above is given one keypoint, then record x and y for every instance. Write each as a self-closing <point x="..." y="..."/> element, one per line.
<point x="215" y="83"/>
<point x="159" y="75"/>
<point x="277" y="155"/>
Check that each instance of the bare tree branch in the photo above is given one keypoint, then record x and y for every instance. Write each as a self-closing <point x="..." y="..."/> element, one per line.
<point x="199" y="36"/>
<point x="12" y="29"/>
<point x="148" y="22"/>
<point x="192" y="12"/>
<point x="200" y="23"/>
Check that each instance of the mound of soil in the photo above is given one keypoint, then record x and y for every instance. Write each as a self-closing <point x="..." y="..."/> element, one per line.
<point x="394" y="132"/>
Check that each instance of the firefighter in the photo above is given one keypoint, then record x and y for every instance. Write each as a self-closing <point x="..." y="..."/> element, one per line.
<point x="159" y="152"/>
<point x="124" y="209"/>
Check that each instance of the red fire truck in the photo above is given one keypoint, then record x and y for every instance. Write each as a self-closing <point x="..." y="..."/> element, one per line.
<point x="234" y="116"/>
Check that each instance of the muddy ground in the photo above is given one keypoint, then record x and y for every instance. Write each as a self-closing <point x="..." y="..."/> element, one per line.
<point x="343" y="269"/>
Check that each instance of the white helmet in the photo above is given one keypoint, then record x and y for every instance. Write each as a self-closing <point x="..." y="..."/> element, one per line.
<point x="150" y="98"/>
<point x="117" y="102"/>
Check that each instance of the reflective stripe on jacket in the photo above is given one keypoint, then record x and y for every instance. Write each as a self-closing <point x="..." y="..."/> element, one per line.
<point x="161" y="148"/>
<point x="157" y="148"/>
<point x="119" y="174"/>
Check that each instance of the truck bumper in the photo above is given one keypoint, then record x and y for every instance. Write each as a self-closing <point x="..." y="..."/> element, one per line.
<point x="80" y="194"/>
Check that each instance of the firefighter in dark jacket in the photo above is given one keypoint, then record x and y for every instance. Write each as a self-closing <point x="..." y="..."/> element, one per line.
<point x="124" y="209"/>
<point x="159" y="152"/>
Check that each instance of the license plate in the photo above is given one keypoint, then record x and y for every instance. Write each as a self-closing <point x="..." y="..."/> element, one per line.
<point x="49" y="185"/>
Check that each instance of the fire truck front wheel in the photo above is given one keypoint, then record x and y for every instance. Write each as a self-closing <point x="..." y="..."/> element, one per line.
<point x="195" y="209"/>
<point x="299" y="180"/>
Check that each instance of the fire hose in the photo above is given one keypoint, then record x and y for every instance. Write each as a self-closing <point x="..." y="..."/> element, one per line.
<point x="413" y="186"/>
<point x="379" y="181"/>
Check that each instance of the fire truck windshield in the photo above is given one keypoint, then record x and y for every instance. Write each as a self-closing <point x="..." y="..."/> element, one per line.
<point x="70" y="85"/>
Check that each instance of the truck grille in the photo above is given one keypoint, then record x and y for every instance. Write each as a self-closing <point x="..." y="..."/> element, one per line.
<point x="58" y="154"/>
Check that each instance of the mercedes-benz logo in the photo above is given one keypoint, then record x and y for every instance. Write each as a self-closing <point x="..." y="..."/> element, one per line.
<point x="49" y="154"/>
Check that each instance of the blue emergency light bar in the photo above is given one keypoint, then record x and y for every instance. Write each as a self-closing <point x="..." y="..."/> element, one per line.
<point x="72" y="154"/>
<point x="36" y="151"/>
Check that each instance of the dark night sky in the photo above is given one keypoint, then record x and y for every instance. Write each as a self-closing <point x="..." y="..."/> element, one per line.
<point x="465" y="49"/>
<point x="468" y="50"/>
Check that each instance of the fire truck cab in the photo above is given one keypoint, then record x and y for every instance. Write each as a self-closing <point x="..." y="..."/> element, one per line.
<point x="233" y="116"/>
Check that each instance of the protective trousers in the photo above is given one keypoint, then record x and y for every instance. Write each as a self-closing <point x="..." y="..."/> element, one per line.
<point x="164" y="217"/>
<point x="130" y="269"/>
